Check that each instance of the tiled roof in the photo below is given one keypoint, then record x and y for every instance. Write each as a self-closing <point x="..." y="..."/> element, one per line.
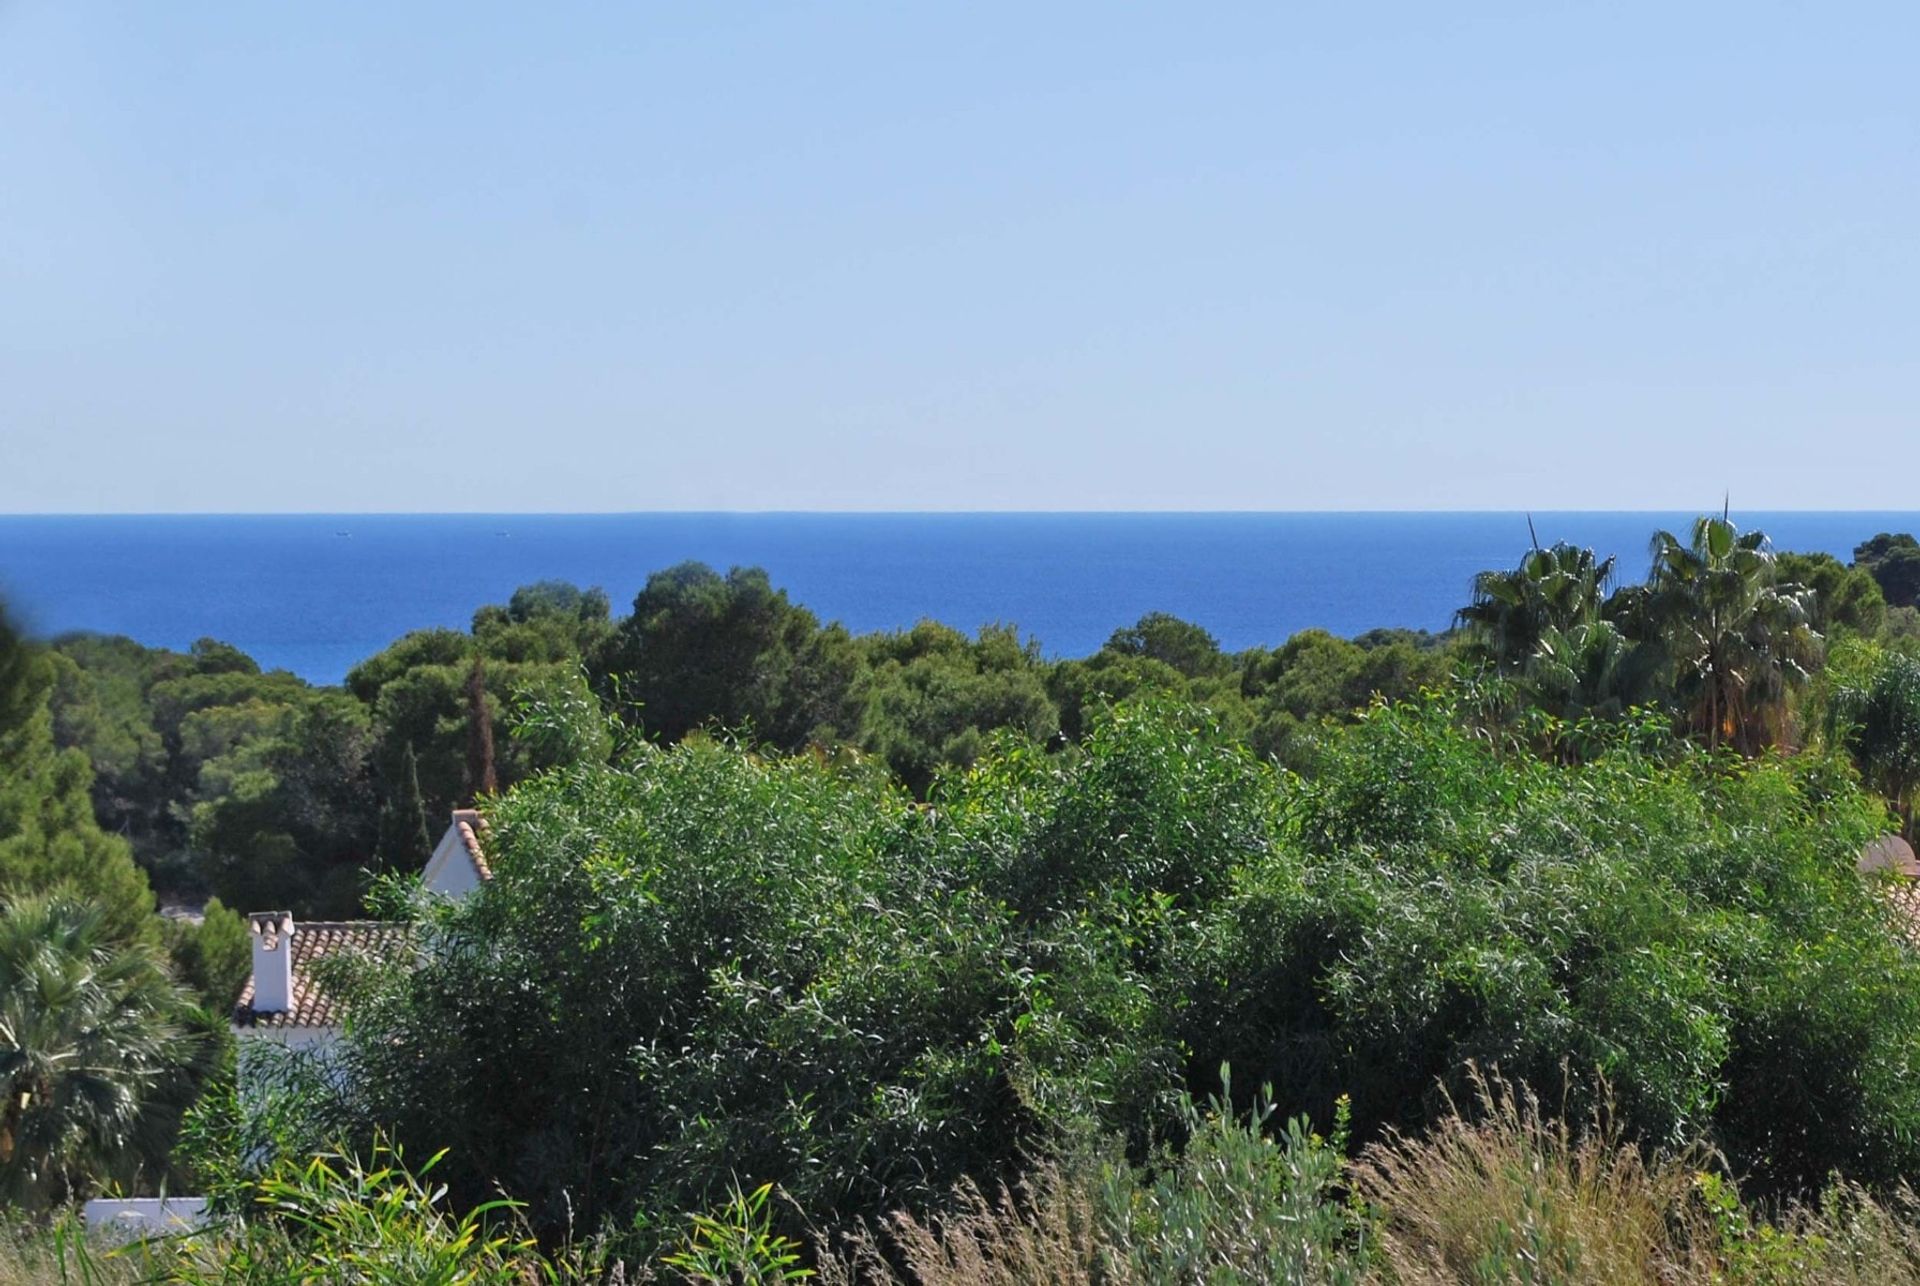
<point x="312" y="941"/>
<point x="1904" y="896"/>
<point x="467" y="822"/>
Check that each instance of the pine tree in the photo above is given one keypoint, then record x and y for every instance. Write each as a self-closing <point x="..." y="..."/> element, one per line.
<point x="405" y="839"/>
<point x="48" y="834"/>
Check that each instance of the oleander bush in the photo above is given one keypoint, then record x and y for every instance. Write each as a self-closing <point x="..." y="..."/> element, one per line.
<point x="702" y="970"/>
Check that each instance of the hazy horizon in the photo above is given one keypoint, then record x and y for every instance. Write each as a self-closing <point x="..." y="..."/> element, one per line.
<point x="1668" y="511"/>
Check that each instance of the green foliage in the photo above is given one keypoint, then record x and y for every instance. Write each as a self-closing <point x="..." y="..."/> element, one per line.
<point x="700" y="966"/>
<point x="1845" y="599"/>
<point x="1734" y="634"/>
<point x="738" y="1245"/>
<point x="558" y="721"/>
<point x="697" y="967"/>
<point x="1179" y="644"/>
<point x="347" y="1219"/>
<point x="1315" y="676"/>
<point x="1235" y="1204"/>
<point x="418" y="695"/>
<point x="405" y="839"/>
<point x="1894" y="563"/>
<point x="89" y="1038"/>
<point x="1721" y="633"/>
<point x="49" y="838"/>
<point x="1567" y="654"/>
<point x="214" y="956"/>
<point x="1273" y="699"/>
<point x="1556" y="590"/>
<point x="172" y="736"/>
<point x="297" y="1105"/>
<point x="21" y="680"/>
<point x="1873" y="709"/>
<point x="1682" y="926"/>
<point x="702" y="650"/>
<point x="298" y="831"/>
<point x="933" y="697"/>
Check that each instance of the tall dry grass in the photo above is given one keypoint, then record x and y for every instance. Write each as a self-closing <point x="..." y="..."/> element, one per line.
<point x="1500" y="1191"/>
<point x="1503" y="1191"/>
<point x="63" y="1253"/>
<point x="1045" y="1233"/>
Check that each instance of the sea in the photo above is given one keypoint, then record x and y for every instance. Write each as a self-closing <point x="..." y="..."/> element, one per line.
<point x="315" y="594"/>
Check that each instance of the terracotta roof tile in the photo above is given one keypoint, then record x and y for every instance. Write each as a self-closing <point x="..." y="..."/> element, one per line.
<point x="469" y="824"/>
<point x="1904" y="897"/>
<point x="312" y="941"/>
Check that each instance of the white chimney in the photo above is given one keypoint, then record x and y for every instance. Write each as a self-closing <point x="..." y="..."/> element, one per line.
<point x="272" y="961"/>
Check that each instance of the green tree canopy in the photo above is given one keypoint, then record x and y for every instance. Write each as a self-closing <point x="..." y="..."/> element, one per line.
<point x="1894" y="562"/>
<point x="933" y="697"/>
<point x="1875" y="714"/>
<point x="705" y="965"/>
<point x="1171" y="641"/>
<point x="1844" y="598"/>
<point x="89" y="1039"/>
<point x="706" y="650"/>
<point x="405" y="838"/>
<point x="49" y="837"/>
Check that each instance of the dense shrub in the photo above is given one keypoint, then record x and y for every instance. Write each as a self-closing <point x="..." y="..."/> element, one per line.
<point x="1693" y="930"/>
<point x="700" y="970"/>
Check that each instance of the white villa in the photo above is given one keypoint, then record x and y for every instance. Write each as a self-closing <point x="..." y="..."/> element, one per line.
<point x="284" y="1002"/>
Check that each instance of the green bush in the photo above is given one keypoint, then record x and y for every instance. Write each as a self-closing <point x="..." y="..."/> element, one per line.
<point x="1690" y="927"/>
<point x="700" y="969"/>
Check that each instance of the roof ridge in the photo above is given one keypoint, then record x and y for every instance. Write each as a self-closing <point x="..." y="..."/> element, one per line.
<point x="469" y="822"/>
<point x="357" y="924"/>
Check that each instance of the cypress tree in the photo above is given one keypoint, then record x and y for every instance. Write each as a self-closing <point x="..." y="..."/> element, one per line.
<point x="480" y="774"/>
<point x="405" y="839"/>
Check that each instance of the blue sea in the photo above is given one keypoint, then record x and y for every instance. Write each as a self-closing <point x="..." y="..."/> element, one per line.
<point x="315" y="594"/>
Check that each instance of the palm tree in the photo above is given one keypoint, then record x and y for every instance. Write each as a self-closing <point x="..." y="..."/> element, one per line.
<point x="87" y="1040"/>
<point x="1554" y="590"/>
<point x="1736" y="639"/>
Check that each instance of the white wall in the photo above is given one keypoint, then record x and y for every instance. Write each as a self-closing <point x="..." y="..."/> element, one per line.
<point x="450" y="871"/>
<point x="128" y="1218"/>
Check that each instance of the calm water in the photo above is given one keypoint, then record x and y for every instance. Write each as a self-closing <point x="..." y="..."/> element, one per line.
<point x="314" y="594"/>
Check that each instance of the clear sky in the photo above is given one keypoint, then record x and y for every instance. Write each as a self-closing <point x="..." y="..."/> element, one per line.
<point x="429" y="256"/>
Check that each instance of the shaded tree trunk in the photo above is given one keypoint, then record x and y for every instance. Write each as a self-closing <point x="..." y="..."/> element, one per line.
<point x="481" y="779"/>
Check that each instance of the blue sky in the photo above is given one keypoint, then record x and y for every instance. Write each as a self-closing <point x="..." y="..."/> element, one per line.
<point x="429" y="256"/>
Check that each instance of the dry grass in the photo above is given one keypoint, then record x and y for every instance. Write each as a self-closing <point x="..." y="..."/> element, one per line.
<point x="1506" y="1192"/>
<point x="62" y="1254"/>
<point x="1041" y="1236"/>
<point x="1850" y="1239"/>
<point x="1499" y="1191"/>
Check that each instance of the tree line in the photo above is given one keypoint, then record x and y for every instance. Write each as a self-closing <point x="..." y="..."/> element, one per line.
<point x="263" y="790"/>
<point x="896" y="906"/>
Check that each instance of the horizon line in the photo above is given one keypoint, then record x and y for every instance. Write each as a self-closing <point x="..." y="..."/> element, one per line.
<point x="901" y="513"/>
